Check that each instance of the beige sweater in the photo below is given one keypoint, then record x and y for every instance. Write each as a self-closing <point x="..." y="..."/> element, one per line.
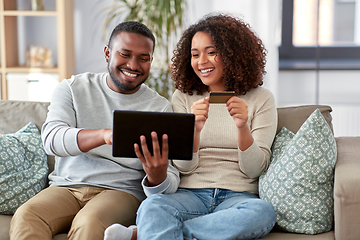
<point x="219" y="163"/>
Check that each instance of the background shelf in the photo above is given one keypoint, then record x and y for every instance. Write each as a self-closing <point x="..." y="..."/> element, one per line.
<point x="20" y="28"/>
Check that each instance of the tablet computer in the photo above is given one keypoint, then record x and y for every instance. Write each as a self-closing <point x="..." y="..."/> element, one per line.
<point x="128" y="126"/>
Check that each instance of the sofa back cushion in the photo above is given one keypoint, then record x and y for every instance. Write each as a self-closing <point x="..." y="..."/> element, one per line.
<point x="293" y="117"/>
<point x="16" y="114"/>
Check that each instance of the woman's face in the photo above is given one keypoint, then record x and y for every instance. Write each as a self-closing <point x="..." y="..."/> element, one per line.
<point x="207" y="62"/>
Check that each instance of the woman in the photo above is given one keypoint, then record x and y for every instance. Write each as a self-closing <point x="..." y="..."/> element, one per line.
<point x="217" y="197"/>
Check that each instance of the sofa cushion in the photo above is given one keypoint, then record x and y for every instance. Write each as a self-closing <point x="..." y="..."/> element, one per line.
<point x="23" y="167"/>
<point x="293" y="117"/>
<point x="299" y="180"/>
<point x="16" y="114"/>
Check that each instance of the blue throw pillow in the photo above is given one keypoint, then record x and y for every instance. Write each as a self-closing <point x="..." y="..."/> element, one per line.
<point x="23" y="167"/>
<point x="299" y="180"/>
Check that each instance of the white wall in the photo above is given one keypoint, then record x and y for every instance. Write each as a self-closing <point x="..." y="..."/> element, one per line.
<point x="335" y="87"/>
<point x="88" y="30"/>
<point x="338" y="89"/>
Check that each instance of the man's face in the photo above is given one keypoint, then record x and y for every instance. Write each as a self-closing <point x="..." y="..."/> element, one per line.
<point x="129" y="60"/>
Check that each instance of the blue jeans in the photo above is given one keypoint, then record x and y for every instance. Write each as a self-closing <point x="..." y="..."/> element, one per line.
<point x="204" y="214"/>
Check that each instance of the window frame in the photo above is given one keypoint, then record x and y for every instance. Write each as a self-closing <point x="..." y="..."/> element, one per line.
<point x="317" y="57"/>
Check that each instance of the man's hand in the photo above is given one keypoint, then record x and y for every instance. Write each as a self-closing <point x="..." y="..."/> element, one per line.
<point x="108" y="136"/>
<point x="155" y="166"/>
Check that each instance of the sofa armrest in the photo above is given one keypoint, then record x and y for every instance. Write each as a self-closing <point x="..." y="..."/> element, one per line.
<point x="347" y="189"/>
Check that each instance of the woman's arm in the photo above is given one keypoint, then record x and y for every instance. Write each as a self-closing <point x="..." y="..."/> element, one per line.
<point x="255" y="159"/>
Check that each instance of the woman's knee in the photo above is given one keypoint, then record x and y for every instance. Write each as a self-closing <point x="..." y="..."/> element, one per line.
<point x="159" y="205"/>
<point x="152" y="202"/>
<point x="264" y="208"/>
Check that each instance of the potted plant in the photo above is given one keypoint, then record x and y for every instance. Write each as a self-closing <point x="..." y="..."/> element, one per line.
<point x="164" y="18"/>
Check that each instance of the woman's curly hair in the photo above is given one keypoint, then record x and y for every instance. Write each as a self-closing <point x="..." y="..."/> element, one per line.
<point x="242" y="52"/>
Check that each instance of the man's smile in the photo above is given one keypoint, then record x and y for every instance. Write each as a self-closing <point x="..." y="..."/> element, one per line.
<point x="129" y="73"/>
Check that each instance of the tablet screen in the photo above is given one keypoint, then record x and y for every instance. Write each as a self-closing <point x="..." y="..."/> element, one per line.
<point x="128" y="126"/>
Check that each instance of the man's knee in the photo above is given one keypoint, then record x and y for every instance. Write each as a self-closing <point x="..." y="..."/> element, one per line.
<point x="87" y="226"/>
<point x="86" y="219"/>
<point x="26" y="223"/>
<point x="26" y="212"/>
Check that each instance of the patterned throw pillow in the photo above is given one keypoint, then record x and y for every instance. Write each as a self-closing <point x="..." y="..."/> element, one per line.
<point x="299" y="180"/>
<point x="23" y="167"/>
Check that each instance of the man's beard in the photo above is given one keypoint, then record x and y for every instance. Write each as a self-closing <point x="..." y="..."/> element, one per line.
<point x="122" y="86"/>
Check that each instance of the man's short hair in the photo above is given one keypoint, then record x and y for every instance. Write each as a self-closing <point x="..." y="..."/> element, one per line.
<point x="132" y="27"/>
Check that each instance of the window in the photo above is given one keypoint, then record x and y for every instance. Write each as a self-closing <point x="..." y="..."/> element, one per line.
<point x="320" y="34"/>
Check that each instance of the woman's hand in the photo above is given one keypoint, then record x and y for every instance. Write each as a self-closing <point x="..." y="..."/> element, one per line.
<point x="238" y="109"/>
<point x="201" y="110"/>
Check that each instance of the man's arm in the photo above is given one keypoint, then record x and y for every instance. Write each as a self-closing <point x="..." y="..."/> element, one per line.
<point x="92" y="138"/>
<point x="60" y="135"/>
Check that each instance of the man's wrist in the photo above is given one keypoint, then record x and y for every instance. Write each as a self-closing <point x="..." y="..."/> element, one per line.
<point x="154" y="182"/>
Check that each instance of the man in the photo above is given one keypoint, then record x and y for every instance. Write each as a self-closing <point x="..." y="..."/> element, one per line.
<point x="89" y="188"/>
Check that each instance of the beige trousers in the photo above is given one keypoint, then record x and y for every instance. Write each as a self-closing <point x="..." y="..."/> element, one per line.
<point x="85" y="212"/>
